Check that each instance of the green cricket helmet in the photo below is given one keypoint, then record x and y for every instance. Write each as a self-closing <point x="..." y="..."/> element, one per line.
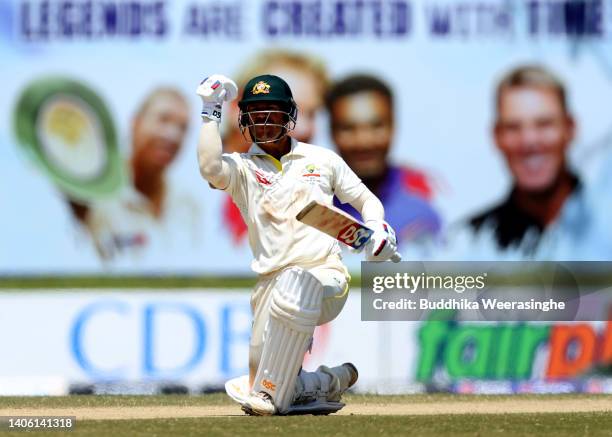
<point x="267" y="88"/>
<point x="66" y="128"/>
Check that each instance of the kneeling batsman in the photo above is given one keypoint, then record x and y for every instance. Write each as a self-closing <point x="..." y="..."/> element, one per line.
<point x="302" y="282"/>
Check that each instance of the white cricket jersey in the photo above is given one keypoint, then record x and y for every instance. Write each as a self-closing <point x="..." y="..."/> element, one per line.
<point x="270" y="193"/>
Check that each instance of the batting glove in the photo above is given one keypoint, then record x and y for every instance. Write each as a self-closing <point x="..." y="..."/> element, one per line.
<point x="214" y="90"/>
<point x="382" y="245"/>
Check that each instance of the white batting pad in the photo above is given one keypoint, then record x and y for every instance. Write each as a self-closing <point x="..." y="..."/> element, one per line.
<point x="294" y="311"/>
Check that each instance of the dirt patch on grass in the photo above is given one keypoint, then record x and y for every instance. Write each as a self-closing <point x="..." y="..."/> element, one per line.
<point x="476" y="406"/>
<point x="472" y="406"/>
<point x="119" y="413"/>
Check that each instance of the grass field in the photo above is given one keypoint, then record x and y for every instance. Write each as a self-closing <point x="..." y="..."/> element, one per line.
<point x="364" y="415"/>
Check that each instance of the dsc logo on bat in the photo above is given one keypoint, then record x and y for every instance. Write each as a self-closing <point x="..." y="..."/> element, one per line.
<point x="355" y="235"/>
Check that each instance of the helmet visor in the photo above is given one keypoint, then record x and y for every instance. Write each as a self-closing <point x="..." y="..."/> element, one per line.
<point x="265" y="126"/>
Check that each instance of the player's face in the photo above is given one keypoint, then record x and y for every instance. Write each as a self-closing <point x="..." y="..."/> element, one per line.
<point x="362" y="128"/>
<point x="159" y="132"/>
<point x="533" y="133"/>
<point x="267" y="120"/>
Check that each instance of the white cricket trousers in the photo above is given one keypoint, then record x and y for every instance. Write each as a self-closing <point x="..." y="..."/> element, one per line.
<point x="334" y="277"/>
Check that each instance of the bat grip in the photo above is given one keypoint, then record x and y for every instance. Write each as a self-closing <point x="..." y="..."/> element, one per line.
<point x="396" y="258"/>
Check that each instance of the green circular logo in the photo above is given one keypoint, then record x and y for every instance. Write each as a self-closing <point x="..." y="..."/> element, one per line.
<point x="68" y="131"/>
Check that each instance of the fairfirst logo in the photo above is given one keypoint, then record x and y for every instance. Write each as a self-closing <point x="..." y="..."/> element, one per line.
<point x="508" y="351"/>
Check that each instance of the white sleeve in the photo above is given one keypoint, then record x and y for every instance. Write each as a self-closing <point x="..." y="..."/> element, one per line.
<point x="237" y="186"/>
<point x="346" y="184"/>
<point x="370" y="208"/>
<point x="209" y="151"/>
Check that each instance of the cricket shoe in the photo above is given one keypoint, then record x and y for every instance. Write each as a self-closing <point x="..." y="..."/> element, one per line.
<point x="326" y="384"/>
<point x="342" y="378"/>
<point x="259" y="404"/>
<point x="316" y="408"/>
<point x="324" y="400"/>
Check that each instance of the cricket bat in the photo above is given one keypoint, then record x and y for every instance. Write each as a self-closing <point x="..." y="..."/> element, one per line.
<point x="338" y="224"/>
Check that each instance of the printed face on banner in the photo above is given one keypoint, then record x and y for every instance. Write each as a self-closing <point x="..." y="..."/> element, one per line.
<point x="159" y="130"/>
<point x="533" y="132"/>
<point x="362" y="129"/>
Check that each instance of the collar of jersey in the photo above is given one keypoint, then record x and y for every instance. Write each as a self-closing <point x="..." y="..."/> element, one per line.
<point x="255" y="150"/>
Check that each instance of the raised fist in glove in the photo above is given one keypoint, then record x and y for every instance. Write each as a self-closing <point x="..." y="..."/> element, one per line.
<point x="214" y="90"/>
<point x="382" y="246"/>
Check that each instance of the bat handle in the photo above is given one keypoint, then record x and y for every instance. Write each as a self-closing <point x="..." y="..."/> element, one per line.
<point x="396" y="258"/>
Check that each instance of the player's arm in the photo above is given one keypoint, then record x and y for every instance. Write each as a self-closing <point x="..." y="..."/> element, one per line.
<point x="368" y="205"/>
<point x="383" y="243"/>
<point x="349" y="188"/>
<point x="210" y="151"/>
<point x="214" y="90"/>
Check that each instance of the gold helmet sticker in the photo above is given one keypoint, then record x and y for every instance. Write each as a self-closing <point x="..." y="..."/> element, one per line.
<point x="261" y="88"/>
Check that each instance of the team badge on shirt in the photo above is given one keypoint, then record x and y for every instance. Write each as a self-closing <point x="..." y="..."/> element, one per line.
<point x="261" y="87"/>
<point x="311" y="173"/>
<point x="311" y="170"/>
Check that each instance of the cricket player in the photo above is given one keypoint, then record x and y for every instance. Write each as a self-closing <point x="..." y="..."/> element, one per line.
<point x="302" y="281"/>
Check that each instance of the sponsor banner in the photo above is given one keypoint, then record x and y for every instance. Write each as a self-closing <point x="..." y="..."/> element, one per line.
<point x="125" y="336"/>
<point x="135" y="341"/>
<point x="99" y="120"/>
<point x="553" y="352"/>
